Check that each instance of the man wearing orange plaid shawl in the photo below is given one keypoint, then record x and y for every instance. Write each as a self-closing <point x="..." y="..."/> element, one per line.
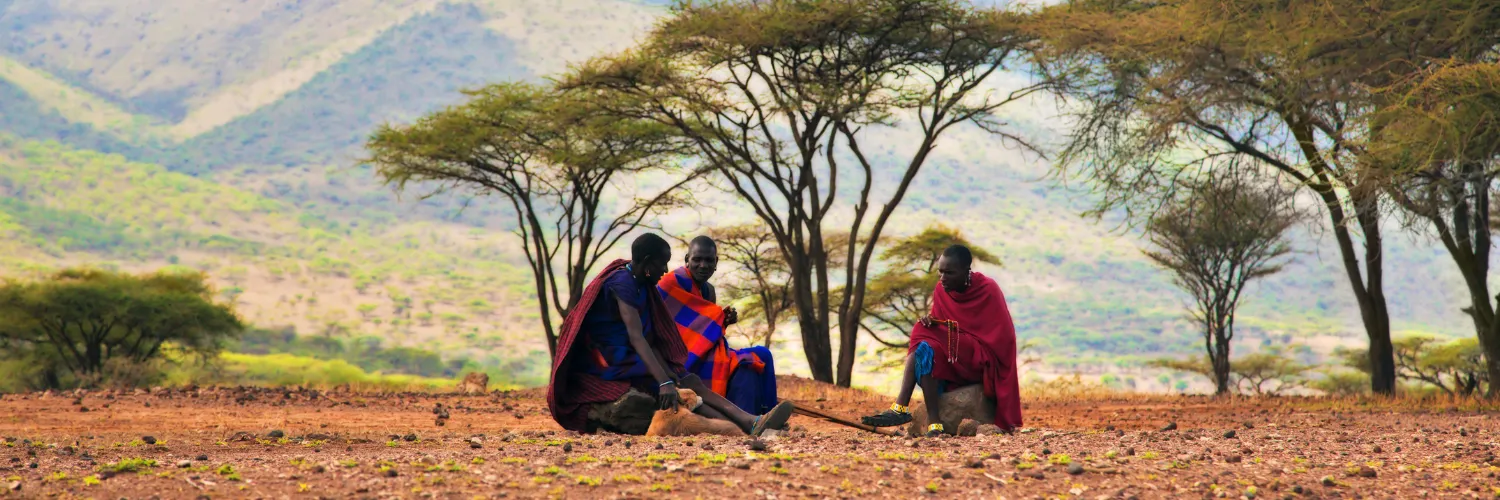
<point x="746" y="376"/>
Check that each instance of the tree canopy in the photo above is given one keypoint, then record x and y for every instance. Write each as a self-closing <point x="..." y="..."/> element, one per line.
<point x="78" y="320"/>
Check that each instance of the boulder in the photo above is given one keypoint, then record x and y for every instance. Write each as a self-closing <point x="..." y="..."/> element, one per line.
<point x="967" y="402"/>
<point x="631" y="414"/>
<point x="474" y="383"/>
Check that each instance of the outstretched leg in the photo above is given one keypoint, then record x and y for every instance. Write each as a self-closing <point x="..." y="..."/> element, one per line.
<point x="751" y="424"/>
<point x="713" y="401"/>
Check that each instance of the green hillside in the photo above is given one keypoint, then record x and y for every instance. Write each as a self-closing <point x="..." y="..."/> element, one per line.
<point x="221" y="136"/>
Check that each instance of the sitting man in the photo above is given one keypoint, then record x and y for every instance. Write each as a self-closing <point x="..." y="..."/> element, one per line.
<point x="619" y="336"/>
<point x="968" y="338"/>
<point x="745" y="376"/>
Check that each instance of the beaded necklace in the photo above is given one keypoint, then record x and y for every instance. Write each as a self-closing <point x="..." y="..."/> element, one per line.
<point x="952" y="326"/>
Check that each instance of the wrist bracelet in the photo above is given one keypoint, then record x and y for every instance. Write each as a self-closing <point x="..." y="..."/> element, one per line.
<point x="664" y="384"/>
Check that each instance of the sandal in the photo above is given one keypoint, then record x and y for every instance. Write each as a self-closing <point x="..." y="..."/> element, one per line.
<point x="774" y="419"/>
<point x="888" y="418"/>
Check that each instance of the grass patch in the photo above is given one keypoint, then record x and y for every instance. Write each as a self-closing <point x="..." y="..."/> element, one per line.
<point x="130" y="465"/>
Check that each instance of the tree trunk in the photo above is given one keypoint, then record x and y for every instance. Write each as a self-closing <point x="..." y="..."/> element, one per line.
<point x="1218" y="355"/>
<point x="1367" y="285"/>
<point x="815" y="335"/>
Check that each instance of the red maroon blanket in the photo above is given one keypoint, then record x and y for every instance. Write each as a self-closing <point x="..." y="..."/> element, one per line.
<point x="571" y="389"/>
<point x="983" y="350"/>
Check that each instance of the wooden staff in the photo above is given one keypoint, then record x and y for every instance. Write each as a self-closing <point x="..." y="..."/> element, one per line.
<point x="839" y="420"/>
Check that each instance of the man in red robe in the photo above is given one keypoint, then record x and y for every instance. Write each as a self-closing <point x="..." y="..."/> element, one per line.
<point x="620" y="336"/>
<point x="968" y="338"/>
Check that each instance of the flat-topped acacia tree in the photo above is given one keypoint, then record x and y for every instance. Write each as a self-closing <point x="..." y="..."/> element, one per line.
<point x="564" y="167"/>
<point x="1165" y="87"/>
<point x="780" y="99"/>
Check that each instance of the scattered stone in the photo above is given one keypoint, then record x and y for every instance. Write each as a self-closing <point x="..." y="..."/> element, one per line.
<point x="410" y="437"/>
<point x="276" y="434"/>
<point x="1229" y="435"/>
<point x="660" y="447"/>
<point x="1328" y="481"/>
<point x="1366" y="471"/>
<point x="1130" y="451"/>
<point x="966" y="402"/>
<point x="319" y="469"/>
<point x="1249" y="425"/>
<point x="1463" y="432"/>
<point x="390" y="472"/>
<point x="1297" y="489"/>
<point x="148" y="439"/>
<point x="241" y="436"/>
<point x="567" y="447"/>
<point x="1075" y="468"/>
<point x="947" y="475"/>
<point x="988" y="430"/>
<point x="183" y="464"/>
<point x="475" y="443"/>
<point x="428" y="460"/>
<point x="1234" y="459"/>
<point x="740" y="464"/>
<point x="1035" y="474"/>
<point x="757" y="445"/>
<point x="1375" y="449"/>
<point x="968" y="427"/>
<point x="1171" y="426"/>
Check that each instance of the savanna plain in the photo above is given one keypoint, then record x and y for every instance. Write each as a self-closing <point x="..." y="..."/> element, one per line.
<point x="277" y="443"/>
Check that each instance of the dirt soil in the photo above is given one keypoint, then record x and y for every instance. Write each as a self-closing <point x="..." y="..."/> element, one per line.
<point x="265" y="443"/>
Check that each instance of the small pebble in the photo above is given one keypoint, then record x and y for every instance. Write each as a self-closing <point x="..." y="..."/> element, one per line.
<point x="276" y="434"/>
<point x="1075" y="468"/>
<point x="148" y="439"/>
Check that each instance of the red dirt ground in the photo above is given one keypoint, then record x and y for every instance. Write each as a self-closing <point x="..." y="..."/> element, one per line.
<point x="342" y="445"/>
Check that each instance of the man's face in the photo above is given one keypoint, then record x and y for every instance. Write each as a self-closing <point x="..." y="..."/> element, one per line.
<point x="953" y="275"/>
<point x="653" y="269"/>
<point x="702" y="261"/>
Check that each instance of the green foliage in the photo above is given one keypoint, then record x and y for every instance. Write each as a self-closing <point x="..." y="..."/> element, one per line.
<point x="79" y="320"/>
<point x="1453" y="367"/>
<point x="278" y="370"/>
<point x="1269" y="371"/>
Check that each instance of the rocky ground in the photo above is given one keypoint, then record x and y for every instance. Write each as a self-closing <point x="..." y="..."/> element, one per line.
<point x="259" y="443"/>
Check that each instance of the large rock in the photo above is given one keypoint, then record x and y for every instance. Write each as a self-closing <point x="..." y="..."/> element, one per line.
<point x="967" y="402"/>
<point x="631" y="414"/>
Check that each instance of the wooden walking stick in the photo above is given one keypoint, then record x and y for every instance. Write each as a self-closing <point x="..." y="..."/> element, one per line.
<point x="839" y="420"/>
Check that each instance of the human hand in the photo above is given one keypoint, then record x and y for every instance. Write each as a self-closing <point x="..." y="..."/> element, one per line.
<point x="926" y="321"/>
<point x="666" y="398"/>
<point x="731" y="316"/>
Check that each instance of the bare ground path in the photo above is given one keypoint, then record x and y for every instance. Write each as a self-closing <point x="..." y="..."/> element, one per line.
<point x="260" y="443"/>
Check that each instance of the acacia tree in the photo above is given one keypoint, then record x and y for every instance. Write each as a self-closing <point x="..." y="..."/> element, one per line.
<point x="902" y="294"/>
<point x="760" y="274"/>
<point x="779" y="98"/>
<point x="556" y="159"/>
<point x="79" y="320"/>
<point x="1440" y="141"/>
<point x="1168" y="87"/>
<point x="1225" y="233"/>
